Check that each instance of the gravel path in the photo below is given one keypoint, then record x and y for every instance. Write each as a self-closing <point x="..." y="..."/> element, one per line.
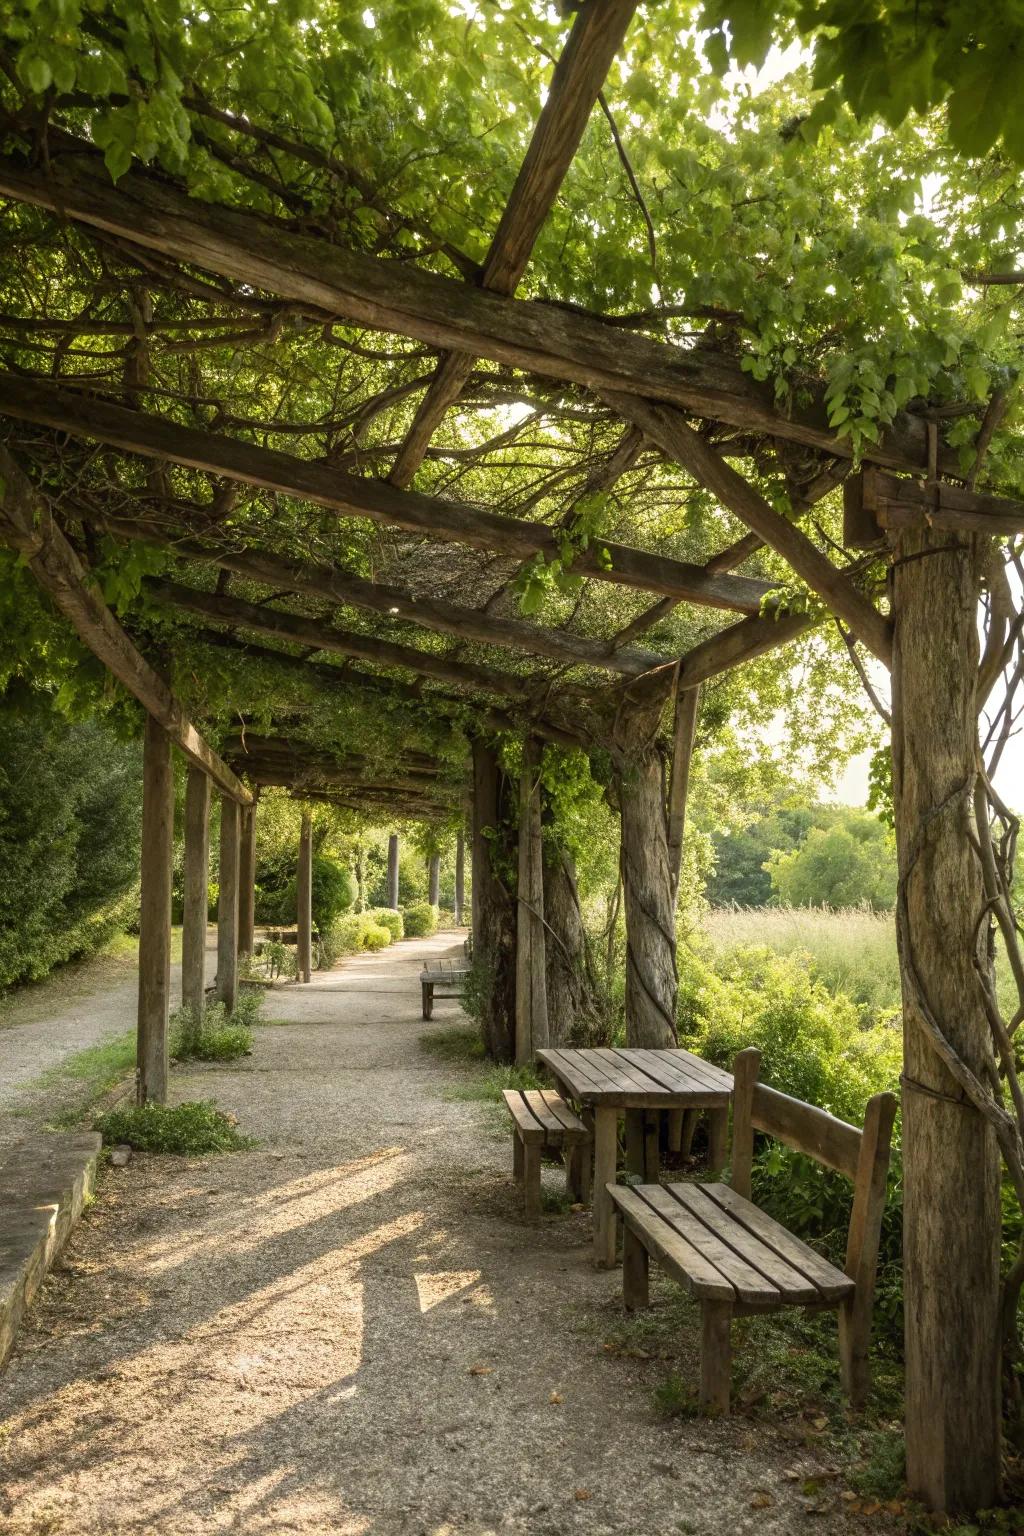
<point x="350" y="1330"/>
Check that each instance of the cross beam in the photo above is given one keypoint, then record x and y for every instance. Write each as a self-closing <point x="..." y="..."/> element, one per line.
<point x="27" y="524"/>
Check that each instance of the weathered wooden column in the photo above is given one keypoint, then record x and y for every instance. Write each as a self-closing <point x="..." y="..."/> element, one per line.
<point x="247" y="877"/>
<point x="227" y="904"/>
<point x="393" y="870"/>
<point x="531" y="989"/>
<point x="460" y="876"/>
<point x="647" y="886"/>
<point x="155" y="915"/>
<point x="494" y="906"/>
<point x="951" y="1176"/>
<point x="434" y="880"/>
<point x="195" y="906"/>
<point x="574" y="1005"/>
<point x="304" y="897"/>
<point x="683" y="733"/>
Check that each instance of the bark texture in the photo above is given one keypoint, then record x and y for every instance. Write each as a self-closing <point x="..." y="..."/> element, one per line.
<point x="950" y="1162"/>
<point x="155" y="915"/>
<point x="434" y="880"/>
<point x="247" y="878"/>
<point x="393" y="871"/>
<point x="460" y="876"/>
<point x="304" y="898"/>
<point x="227" y="905"/>
<point x="531" y="989"/>
<point x="195" y="907"/>
<point x="494" y="906"/>
<point x="575" y="1012"/>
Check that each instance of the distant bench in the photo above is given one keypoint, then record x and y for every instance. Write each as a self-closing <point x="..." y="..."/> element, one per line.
<point x="441" y="979"/>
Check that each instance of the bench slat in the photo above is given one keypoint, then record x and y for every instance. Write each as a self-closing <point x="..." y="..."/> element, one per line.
<point x="547" y="1118"/>
<point x="573" y="1128"/>
<point x="793" y="1286"/>
<point x="527" y="1123"/>
<point x="748" y="1283"/>
<point x="667" y="1245"/>
<point x="829" y="1280"/>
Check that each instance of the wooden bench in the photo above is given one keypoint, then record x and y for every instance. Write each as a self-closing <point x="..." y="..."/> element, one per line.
<point x="737" y="1260"/>
<point x="542" y="1120"/>
<point x="443" y="974"/>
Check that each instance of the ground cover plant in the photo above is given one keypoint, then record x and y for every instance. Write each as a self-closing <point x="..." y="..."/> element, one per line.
<point x="190" y="1130"/>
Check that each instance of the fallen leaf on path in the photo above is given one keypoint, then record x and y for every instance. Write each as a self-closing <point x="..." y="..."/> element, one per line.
<point x="582" y="1495"/>
<point x="480" y="1370"/>
<point x="761" y="1500"/>
<point x="556" y="1397"/>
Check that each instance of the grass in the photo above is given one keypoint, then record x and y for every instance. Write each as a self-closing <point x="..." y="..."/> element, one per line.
<point x="191" y="1130"/>
<point x="90" y="1073"/>
<point x="459" y="1042"/>
<point x="852" y="950"/>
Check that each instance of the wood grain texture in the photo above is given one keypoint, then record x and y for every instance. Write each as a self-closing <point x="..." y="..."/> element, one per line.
<point x="196" y="881"/>
<point x="27" y="524"/>
<point x="304" y="897"/>
<point x="155" y="915"/>
<point x="227" y="904"/>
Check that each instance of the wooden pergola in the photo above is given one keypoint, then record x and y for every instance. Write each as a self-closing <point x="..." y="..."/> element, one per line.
<point x="911" y="506"/>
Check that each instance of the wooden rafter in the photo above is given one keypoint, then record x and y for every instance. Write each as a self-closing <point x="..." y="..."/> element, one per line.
<point x="27" y="524"/>
<point x="596" y="37"/>
<point x="329" y="283"/>
<point x="38" y="401"/>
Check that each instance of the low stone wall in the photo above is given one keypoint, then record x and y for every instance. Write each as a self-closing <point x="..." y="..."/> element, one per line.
<point x="44" y="1183"/>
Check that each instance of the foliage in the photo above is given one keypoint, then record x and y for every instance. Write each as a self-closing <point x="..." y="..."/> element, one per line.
<point x="190" y="1130"/>
<point x="387" y="917"/>
<point x="420" y="920"/>
<point x="843" y="866"/>
<point x="333" y="892"/>
<point x="457" y="1042"/>
<point x="358" y="931"/>
<point x="70" y="811"/>
<point x="212" y="1037"/>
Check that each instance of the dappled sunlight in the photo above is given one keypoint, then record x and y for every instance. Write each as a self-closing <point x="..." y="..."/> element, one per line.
<point x="286" y="1207"/>
<point x="443" y="1285"/>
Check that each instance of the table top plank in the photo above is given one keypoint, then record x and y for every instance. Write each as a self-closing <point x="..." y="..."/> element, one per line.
<point x="633" y="1078"/>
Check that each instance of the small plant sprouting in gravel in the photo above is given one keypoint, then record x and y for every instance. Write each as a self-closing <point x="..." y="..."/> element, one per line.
<point x="191" y="1130"/>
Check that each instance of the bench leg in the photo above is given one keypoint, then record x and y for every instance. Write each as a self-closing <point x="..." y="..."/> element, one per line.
<point x="675" y="1129"/>
<point x="635" y="1149"/>
<point x="577" y="1172"/>
<point x="606" y="1146"/>
<point x="635" y="1271"/>
<point x="517" y="1157"/>
<point x="652" y="1146"/>
<point x="689" y="1129"/>
<point x="854" y="1339"/>
<point x="428" y="998"/>
<point x="531" y="1179"/>
<point x="715" y="1356"/>
<point x="718" y="1139"/>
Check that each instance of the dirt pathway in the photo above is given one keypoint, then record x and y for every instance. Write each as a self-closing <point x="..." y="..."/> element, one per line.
<point x="349" y="1329"/>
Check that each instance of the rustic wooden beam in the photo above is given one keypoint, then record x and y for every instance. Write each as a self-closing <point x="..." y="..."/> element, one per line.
<point x="40" y="401"/>
<point x="596" y="37"/>
<point x="300" y="630"/>
<point x="332" y="282"/>
<point x="894" y="504"/>
<point x="739" y="643"/>
<point x="332" y="678"/>
<point x="27" y="524"/>
<point x="336" y="586"/>
<point x="677" y="438"/>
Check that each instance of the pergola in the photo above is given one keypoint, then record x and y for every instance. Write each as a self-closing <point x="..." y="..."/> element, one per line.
<point x="912" y="513"/>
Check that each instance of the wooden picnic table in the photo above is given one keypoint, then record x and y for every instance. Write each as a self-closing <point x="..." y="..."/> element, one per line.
<point x="638" y="1083"/>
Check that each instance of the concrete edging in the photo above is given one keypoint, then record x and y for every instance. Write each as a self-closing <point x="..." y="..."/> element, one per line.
<point x="44" y="1184"/>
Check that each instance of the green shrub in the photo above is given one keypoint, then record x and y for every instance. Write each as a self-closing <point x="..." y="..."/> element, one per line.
<point x="333" y="893"/>
<point x="387" y="917"/>
<point x="420" y="920"/>
<point x="213" y="1036"/>
<point x="191" y="1130"/>
<point x="358" y="931"/>
<point x="70" y="809"/>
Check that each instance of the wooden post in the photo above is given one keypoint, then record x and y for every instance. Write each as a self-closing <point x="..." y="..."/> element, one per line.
<point x="393" y="871"/>
<point x="155" y="915"/>
<point x="951" y="1211"/>
<point x="574" y="1000"/>
<point x="304" y="890"/>
<point x="227" y="905"/>
<point x="434" y="880"/>
<point x="247" y="878"/>
<point x="494" y="908"/>
<point x="460" y="876"/>
<point x="531" y="990"/>
<point x="649" y="901"/>
<point x="195" y="909"/>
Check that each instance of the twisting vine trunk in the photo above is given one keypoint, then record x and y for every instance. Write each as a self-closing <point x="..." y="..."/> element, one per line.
<point x="575" y="1012"/>
<point x="951" y="1168"/>
<point x="494" y="905"/>
<point x="647" y="884"/>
